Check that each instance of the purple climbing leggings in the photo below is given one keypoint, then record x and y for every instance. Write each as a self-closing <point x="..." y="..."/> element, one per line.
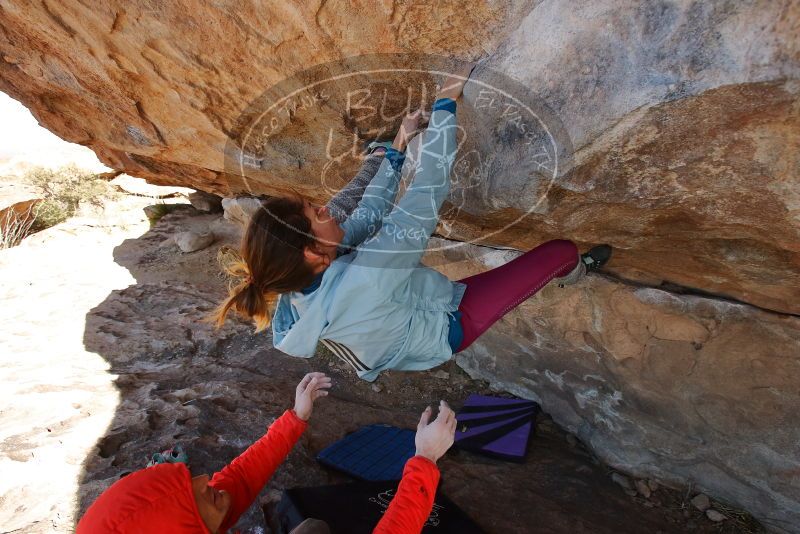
<point x="492" y="294"/>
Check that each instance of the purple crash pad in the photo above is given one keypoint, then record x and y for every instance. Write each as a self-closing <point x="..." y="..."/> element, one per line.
<point x="496" y="426"/>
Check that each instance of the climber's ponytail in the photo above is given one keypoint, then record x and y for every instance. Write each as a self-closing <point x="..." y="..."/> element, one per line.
<point x="271" y="262"/>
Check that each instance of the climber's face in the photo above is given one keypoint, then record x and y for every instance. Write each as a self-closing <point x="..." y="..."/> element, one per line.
<point x="212" y="503"/>
<point x="324" y="227"/>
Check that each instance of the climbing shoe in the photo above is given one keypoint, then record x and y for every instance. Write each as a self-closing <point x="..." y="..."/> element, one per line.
<point x="596" y="257"/>
<point x="590" y="261"/>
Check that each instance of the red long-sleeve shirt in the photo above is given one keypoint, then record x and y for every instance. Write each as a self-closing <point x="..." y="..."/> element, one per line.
<point x="413" y="502"/>
<point x="160" y="498"/>
<point x="245" y="476"/>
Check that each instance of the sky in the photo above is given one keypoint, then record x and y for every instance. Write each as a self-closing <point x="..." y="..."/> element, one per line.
<point x="23" y="143"/>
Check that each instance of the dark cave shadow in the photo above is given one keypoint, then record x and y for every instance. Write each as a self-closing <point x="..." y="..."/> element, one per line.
<point x="215" y="392"/>
<point x="174" y="372"/>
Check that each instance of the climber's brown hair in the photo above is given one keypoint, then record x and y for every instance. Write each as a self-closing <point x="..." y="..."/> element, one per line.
<point x="271" y="260"/>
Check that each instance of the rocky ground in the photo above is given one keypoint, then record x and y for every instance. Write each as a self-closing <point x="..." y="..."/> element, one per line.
<point x="107" y="359"/>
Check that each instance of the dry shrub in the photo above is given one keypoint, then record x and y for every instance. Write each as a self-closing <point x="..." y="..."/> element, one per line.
<point x="15" y="226"/>
<point x="64" y="190"/>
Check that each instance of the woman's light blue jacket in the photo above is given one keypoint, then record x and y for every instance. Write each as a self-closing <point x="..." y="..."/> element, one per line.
<point x="377" y="307"/>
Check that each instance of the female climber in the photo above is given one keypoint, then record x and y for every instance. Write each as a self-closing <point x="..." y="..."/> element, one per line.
<point x="358" y="287"/>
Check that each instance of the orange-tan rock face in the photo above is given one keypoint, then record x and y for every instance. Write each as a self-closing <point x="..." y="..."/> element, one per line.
<point x="675" y="387"/>
<point x="683" y="115"/>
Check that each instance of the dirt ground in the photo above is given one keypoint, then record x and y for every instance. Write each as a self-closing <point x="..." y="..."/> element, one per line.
<point x="110" y="359"/>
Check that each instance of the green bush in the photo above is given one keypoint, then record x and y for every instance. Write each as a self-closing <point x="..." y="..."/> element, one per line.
<point x="64" y="190"/>
<point x="154" y="212"/>
<point x="49" y="212"/>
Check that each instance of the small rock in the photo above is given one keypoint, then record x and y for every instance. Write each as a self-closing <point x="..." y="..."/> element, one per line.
<point x="152" y="211"/>
<point x="643" y="488"/>
<point x="240" y="209"/>
<point x="206" y="201"/>
<point x="572" y="440"/>
<point x="585" y="469"/>
<point x="273" y="496"/>
<point x="715" y="516"/>
<point x="442" y="374"/>
<point x="192" y="241"/>
<point x="377" y="388"/>
<point x="545" y="424"/>
<point x="622" y="480"/>
<point x="701" y="502"/>
<point x="631" y="493"/>
<point x="652" y="484"/>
